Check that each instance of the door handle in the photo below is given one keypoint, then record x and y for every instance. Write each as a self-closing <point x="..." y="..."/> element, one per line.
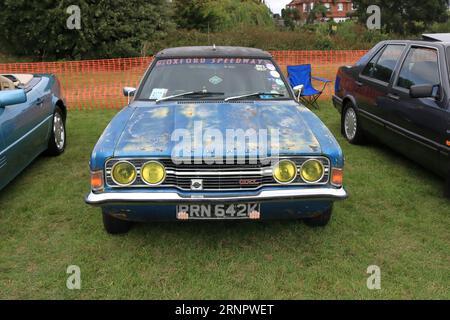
<point x="359" y="84"/>
<point x="393" y="96"/>
<point x="39" y="102"/>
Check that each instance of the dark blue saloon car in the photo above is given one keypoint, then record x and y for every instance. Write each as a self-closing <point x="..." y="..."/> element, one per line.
<point x="399" y="93"/>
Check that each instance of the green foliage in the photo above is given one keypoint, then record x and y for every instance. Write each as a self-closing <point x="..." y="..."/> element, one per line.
<point x="290" y="17"/>
<point x="319" y="11"/>
<point x="108" y="28"/>
<point x="220" y="15"/>
<point x="348" y="35"/>
<point x="440" y="27"/>
<point x="405" y="16"/>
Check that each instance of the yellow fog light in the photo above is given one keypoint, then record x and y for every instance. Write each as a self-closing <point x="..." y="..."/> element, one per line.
<point x="124" y="173"/>
<point x="285" y="171"/>
<point x="312" y="171"/>
<point x="153" y="173"/>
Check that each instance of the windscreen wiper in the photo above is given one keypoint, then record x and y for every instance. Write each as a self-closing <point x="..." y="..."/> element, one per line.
<point x="274" y="94"/>
<point x="203" y="93"/>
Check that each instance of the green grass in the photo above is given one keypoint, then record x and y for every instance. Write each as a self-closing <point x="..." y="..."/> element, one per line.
<point x="396" y="218"/>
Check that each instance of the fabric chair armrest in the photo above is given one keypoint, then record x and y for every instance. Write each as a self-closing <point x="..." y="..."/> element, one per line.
<point x="321" y="79"/>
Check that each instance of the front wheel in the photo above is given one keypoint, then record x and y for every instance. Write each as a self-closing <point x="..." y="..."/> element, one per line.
<point x="113" y="225"/>
<point x="57" y="141"/>
<point x="351" y="126"/>
<point x="321" y="220"/>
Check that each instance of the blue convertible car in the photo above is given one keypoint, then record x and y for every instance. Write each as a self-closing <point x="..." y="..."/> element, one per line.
<point x="215" y="133"/>
<point x="32" y="120"/>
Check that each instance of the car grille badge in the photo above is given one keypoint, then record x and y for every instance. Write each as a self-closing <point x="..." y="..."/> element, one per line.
<point x="197" y="184"/>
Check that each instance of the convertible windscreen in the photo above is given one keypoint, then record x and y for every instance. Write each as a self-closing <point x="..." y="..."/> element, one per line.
<point x="215" y="78"/>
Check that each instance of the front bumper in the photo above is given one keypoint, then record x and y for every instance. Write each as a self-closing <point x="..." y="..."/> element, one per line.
<point x="173" y="197"/>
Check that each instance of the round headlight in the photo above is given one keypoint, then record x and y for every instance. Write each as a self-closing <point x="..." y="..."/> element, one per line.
<point x="124" y="173"/>
<point x="153" y="173"/>
<point x="312" y="171"/>
<point x="285" y="171"/>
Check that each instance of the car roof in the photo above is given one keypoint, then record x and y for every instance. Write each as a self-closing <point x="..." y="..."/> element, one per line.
<point x="213" y="52"/>
<point x="437" y="37"/>
<point x="425" y="42"/>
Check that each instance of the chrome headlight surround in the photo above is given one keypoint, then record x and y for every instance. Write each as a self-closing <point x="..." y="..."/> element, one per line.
<point x="121" y="184"/>
<point x="153" y="184"/>
<point x="277" y="166"/>
<point x="309" y="161"/>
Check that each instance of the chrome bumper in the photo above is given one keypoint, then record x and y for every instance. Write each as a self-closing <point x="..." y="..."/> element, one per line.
<point x="149" y="198"/>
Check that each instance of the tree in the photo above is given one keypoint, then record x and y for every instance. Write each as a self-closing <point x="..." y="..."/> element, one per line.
<point x="109" y="28"/>
<point x="220" y="15"/>
<point x="319" y="10"/>
<point x="405" y="16"/>
<point x="291" y="17"/>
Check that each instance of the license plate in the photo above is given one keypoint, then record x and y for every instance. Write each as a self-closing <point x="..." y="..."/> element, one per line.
<point x="218" y="211"/>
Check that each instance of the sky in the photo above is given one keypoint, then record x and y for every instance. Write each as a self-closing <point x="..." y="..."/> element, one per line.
<point x="277" y="5"/>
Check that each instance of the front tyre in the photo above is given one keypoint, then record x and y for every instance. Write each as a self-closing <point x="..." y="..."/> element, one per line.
<point x="351" y="126"/>
<point x="321" y="220"/>
<point x="115" y="226"/>
<point x="57" y="141"/>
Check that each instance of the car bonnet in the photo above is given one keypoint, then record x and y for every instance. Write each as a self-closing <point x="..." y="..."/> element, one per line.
<point x="154" y="130"/>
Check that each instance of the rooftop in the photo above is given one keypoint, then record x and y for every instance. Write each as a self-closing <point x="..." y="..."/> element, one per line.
<point x="212" y="52"/>
<point x="440" y="37"/>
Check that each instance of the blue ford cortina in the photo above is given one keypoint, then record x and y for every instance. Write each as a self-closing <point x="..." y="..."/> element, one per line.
<point x="214" y="133"/>
<point x="32" y="121"/>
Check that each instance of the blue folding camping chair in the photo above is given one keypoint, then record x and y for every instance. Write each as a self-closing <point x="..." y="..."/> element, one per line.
<point x="301" y="76"/>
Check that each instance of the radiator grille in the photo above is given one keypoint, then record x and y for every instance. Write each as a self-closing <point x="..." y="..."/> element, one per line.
<point x="215" y="177"/>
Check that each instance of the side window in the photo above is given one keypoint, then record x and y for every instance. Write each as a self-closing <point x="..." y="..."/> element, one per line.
<point x="420" y="67"/>
<point x="383" y="64"/>
<point x="370" y="67"/>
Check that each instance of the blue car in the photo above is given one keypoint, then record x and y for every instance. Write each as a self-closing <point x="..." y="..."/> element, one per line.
<point x="32" y="121"/>
<point x="214" y="133"/>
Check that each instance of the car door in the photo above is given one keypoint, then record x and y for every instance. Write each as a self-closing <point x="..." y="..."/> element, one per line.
<point x="23" y="131"/>
<point x="2" y="153"/>
<point x="419" y="124"/>
<point x="373" y="88"/>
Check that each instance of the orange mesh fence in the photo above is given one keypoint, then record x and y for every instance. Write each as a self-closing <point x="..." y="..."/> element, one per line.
<point x="97" y="84"/>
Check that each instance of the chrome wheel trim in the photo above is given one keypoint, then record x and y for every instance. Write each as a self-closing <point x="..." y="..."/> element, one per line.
<point x="350" y="123"/>
<point x="59" y="131"/>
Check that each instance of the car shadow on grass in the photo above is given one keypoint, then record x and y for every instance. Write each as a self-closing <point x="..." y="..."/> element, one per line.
<point x="246" y="234"/>
<point x="409" y="167"/>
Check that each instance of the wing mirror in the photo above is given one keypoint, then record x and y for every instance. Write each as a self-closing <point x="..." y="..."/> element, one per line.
<point x="129" y="92"/>
<point x="11" y="97"/>
<point x="298" y="90"/>
<point x="424" y="91"/>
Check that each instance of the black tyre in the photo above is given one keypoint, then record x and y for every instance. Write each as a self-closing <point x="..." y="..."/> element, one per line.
<point x="319" y="221"/>
<point x="57" y="141"/>
<point x="113" y="225"/>
<point x="351" y="127"/>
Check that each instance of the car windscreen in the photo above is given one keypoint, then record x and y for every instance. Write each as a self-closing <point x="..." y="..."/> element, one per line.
<point x="228" y="77"/>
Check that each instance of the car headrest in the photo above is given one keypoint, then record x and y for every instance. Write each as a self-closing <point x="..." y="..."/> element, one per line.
<point x="6" y="84"/>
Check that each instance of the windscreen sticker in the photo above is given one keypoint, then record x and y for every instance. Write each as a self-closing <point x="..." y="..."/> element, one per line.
<point x="158" y="93"/>
<point x="275" y="74"/>
<point x="216" y="80"/>
<point x="169" y="62"/>
<point x="260" y="67"/>
<point x="280" y="82"/>
<point x="271" y="67"/>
